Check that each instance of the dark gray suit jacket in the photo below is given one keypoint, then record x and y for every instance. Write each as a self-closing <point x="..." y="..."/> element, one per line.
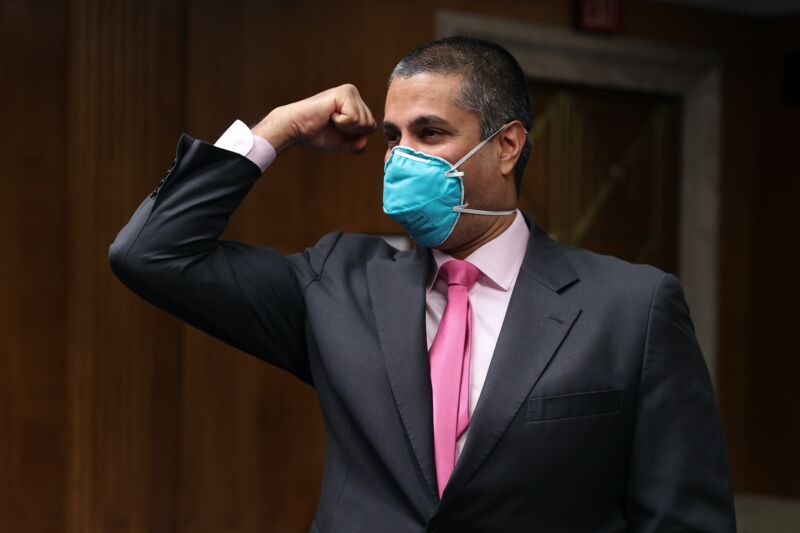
<point x="597" y="414"/>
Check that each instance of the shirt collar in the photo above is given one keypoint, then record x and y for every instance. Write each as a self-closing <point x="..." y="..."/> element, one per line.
<point x="499" y="259"/>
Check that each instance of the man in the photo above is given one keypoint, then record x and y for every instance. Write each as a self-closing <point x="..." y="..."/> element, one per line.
<point x="488" y="380"/>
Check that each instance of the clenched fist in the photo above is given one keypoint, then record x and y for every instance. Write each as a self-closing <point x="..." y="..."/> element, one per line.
<point x="336" y="120"/>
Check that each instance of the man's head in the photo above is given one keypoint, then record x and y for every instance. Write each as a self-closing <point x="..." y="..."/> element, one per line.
<point x="448" y="95"/>
<point x="493" y="84"/>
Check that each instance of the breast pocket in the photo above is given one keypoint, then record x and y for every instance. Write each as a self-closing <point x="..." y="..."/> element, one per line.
<point x="574" y="405"/>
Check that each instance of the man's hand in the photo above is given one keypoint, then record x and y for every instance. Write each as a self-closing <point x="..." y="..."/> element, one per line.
<point x="336" y="120"/>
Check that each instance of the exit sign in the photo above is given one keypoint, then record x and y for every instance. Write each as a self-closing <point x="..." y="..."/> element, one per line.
<point x="599" y="15"/>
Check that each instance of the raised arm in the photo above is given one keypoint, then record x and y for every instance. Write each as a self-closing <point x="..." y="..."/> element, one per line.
<point x="170" y="253"/>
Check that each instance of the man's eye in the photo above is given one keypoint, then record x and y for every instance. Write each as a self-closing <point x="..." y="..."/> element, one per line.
<point x="391" y="137"/>
<point x="428" y="132"/>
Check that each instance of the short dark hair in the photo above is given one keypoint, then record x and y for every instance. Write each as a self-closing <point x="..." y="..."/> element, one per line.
<point x="493" y="84"/>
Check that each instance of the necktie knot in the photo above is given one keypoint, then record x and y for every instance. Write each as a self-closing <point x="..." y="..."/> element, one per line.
<point x="459" y="272"/>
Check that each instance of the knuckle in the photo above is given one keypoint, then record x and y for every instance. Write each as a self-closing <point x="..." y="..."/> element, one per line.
<point x="350" y="88"/>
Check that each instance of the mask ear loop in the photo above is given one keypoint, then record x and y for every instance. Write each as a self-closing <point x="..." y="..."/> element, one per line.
<point x="465" y="209"/>
<point x="454" y="172"/>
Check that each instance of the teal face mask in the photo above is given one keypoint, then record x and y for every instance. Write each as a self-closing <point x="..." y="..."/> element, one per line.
<point x="425" y="194"/>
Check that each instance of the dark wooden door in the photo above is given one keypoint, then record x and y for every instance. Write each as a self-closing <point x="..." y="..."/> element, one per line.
<point x="604" y="170"/>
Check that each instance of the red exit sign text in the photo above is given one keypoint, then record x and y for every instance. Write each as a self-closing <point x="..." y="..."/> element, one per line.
<point x="599" y="15"/>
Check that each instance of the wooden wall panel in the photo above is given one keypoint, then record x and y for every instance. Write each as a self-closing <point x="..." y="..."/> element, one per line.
<point x="257" y="452"/>
<point x="773" y="466"/>
<point x="33" y="218"/>
<point x="735" y="387"/>
<point x="116" y="417"/>
<point x="125" y="107"/>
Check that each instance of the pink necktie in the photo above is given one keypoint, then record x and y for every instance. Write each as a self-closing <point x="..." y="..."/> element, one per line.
<point x="450" y="361"/>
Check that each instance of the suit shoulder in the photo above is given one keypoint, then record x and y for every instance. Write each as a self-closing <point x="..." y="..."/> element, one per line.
<point x="339" y="250"/>
<point x="613" y="274"/>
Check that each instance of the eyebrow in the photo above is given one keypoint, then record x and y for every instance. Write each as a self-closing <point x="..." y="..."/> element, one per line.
<point x="419" y="122"/>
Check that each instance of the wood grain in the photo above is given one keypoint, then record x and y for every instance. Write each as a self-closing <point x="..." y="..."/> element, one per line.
<point x="114" y="416"/>
<point x="125" y="108"/>
<point x="33" y="284"/>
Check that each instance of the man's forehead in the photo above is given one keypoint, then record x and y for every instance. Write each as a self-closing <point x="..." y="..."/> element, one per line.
<point x="423" y="99"/>
<point x="426" y="86"/>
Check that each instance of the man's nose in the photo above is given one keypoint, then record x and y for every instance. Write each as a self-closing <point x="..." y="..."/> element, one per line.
<point x="407" y="141"/>
<point x="404" y="141"/>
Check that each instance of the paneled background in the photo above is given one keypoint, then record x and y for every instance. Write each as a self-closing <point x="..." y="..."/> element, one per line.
<point x="116" y="417"/>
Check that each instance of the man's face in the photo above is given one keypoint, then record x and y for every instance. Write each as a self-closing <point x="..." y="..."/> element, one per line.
<point x="421" y="113"/>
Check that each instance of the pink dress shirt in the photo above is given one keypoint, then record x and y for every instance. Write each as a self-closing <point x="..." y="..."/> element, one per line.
<point x="499" y="261"/>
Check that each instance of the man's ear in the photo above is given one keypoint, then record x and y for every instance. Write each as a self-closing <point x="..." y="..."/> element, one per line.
<point x="511" y="140"/>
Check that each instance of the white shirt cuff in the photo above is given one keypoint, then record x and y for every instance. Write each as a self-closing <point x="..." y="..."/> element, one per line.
<point x="238" y="138"/>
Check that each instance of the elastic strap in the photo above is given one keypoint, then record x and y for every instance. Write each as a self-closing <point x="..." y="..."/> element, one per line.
<point x="479" y="146"/>
<point x="465" y="209"/>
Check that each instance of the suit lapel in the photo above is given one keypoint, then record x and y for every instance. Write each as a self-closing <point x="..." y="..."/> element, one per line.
<point x="397" y="292"/>
<point x="536" y="322"/>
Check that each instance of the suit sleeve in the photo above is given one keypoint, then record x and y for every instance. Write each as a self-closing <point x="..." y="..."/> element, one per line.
<point x="678" y="478"/>
<point x="170" y="254"/>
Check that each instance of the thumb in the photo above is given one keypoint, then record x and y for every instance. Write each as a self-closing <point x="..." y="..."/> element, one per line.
<point x="340" y="119"/>
<point x="349" y="124"/>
